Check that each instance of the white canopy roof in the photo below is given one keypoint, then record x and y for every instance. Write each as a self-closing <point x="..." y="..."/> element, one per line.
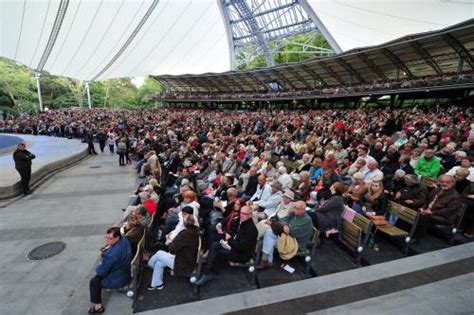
<point x="101" y="39"/>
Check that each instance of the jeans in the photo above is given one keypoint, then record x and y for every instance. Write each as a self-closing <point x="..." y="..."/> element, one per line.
<point x="111" y="148"/>
<point x="121" y="159"/>
<point x="269" y="243"/>
<point x="158" y="262"/>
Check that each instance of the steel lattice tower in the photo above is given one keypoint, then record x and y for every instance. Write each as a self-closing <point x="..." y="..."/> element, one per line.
<point x="252" y="25"/>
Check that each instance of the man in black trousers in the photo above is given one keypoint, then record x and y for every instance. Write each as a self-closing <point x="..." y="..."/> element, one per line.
<point x="22" y="158"/>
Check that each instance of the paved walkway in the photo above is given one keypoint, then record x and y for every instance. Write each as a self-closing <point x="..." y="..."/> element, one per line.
<point x="74" y="206"/>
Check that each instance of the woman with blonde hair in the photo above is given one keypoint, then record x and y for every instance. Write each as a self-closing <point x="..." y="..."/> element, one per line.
<point x="373" y="201"/>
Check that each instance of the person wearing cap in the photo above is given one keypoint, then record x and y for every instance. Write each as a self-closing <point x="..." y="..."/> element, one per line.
<point x="182" y="252"/>
<point x="284" y="208"/>
<point x="174" y="216"/>
<point x="22" y="158"/>
<point x="186" y="211"/>
<point x="412" y="195"/>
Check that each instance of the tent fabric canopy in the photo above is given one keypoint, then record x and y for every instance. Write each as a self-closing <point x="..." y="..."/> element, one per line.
<point x="103" y="39"/>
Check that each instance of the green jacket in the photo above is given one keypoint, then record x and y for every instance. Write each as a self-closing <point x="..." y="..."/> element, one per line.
<point x="301" y="228"/>
<point x="427" y="168"/>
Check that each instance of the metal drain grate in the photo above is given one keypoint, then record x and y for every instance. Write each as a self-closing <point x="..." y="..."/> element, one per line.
<point x="46" y="251"/>
<point x="95" y="166"/>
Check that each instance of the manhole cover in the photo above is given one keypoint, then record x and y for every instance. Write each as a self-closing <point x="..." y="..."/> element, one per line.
<point x="46" y="250"/>
<point x="95" y="166"/>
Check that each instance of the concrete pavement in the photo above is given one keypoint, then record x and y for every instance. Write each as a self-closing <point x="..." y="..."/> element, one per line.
<point x="74" y="206"/>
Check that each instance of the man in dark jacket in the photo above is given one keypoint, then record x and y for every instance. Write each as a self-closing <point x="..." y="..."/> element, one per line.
<point x="238" y="248"/>
<point x="181" y="257"/>
<point x="412" y="195"/>
<point x="114" y="269"/>
<point x="442" y="206"/>
<point x="22" y="158"/>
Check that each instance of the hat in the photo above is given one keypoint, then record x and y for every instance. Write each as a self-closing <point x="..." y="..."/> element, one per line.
<point x="289" y="194"/>
<point x="187" y="209"/>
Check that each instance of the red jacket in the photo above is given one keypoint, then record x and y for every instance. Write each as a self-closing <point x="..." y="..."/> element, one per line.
<point x="149" y="206"/>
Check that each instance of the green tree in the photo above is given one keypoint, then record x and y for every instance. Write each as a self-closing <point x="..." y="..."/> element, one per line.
<point x="18" y="83"/>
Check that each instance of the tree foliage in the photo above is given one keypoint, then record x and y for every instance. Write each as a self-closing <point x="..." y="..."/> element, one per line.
<point x="18" y="91"/>
<point x="294" y="49"/>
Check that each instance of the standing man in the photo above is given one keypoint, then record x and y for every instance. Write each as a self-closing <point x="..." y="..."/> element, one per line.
<point x="90" y="142"/>
<point x="22" y="158"/>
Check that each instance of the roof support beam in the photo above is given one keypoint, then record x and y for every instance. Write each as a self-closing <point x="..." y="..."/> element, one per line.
<point x="423" y="53"/>
<point x="247" y="16"/>
<point x="129" y="40"/>
<point x="369" y="63"/>
<point x="58" y="22"/>
<point x="329" y="70"/>
<point x="397" y="62"/>
<point x="283" y="78"/>
<point x="299" y="77"/>
<point x="312" y="73"/>
<point x="317" y="21"/>
<point x="460" y="49"/>
<point x="351" y="70"/>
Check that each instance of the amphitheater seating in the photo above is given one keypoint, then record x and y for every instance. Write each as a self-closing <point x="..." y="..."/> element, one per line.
<point x="451" y="230"/>
<point x="355" y="235"/>
<point x="409" y="216"/>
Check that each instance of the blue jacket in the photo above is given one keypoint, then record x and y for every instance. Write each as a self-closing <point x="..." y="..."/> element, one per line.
<point x="114" y="267"/>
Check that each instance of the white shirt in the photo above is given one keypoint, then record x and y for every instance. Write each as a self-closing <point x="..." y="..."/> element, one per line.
<point x="271" y="203"/>
<point x="373" y="176"/>
<point x="286" y="181"/>
<point x="470" y="177"/>
<point x="262" y="193"/>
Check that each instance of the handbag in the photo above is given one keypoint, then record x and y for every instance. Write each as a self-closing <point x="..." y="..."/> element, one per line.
<point x="287" y="246"/>
<point x="379" y="221"/>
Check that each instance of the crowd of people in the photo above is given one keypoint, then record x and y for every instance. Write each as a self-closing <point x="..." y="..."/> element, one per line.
<point x="403" y="83"/>
<point x="237" y="177"/>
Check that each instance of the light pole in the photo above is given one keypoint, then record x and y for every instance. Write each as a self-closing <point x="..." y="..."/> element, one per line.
<point x="38" y="88"/>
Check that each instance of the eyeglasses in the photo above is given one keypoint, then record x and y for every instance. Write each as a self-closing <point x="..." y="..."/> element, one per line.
<point x="245" y="213"/>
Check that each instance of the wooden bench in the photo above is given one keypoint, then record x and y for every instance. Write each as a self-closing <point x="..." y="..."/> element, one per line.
<point x="452" y="229"/>
<point x="313" y="244"/>
<point x="405" y="214"/>
<point x="355" y="235"/>
<point x="136" y="268"/>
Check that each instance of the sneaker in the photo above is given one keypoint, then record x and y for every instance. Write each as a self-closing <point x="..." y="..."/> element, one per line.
<point x="159" y="287"/>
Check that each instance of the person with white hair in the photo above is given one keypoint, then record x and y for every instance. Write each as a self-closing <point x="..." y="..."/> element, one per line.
<point x="284" y="179"/>
<point x="465" y="164"/>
